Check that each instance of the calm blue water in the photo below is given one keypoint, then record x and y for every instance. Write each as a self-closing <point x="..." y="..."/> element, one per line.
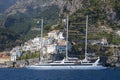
<point x="25" y="74"/>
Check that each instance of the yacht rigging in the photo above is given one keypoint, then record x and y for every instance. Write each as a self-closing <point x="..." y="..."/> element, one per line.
<point x="67" y="63"/>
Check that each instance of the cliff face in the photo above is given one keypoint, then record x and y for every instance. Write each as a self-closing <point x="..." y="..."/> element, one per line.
<point x="114" y="61"/>
<point x="25" y="12"/>
<point x="107" y="7"/>
<point x="22" y="5"/>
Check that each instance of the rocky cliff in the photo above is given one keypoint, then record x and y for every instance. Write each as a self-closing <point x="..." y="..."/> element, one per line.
<point x="22" y="5"/>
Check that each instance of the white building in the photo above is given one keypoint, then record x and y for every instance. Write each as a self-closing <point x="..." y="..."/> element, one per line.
<point x="13" y="54"/>
<point x="60" y="35"/>
<point x="47" y="41"/>
<point x="56" y="34"/>
<point x="118" y="32"/>
<point x="55" y="42"/>
<point x="51" y="48"/>
<point x="27" y="46"/>
<point x="32" y="45"/>
<point x="99" y="42"/>
<point x="95" y="42"/>
<point x="104" y="41"/>
<point x="36" y="41"/>
<point x="53" y="34"/>
<point x="61" y="46"/>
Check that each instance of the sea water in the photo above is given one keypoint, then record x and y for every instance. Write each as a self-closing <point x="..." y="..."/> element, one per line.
<point x="27" y="74"/>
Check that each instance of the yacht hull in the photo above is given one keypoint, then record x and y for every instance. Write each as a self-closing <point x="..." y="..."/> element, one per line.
<point x="39" y="67"/>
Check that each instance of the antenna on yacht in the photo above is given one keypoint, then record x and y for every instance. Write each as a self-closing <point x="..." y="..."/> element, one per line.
<point x="41" y="44"/>
<point x="67" y="24"/>
<point x="86" y="37"/>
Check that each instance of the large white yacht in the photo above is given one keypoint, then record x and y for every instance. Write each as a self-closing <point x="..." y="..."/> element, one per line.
<point x="68" y="63"/>
<point x="58" y="65"/>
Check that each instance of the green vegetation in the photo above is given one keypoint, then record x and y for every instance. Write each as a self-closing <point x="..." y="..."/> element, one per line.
<point x="9" y="39"/>
<point x="19" y="23"/>
<point x="101" y="13"/>
<point x="29" y="55"/>
<point x="22" y="23"/>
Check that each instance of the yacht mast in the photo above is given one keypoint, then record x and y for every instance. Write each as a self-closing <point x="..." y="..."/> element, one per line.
<point x="41" y="44"/>
<point x="67" y="24"/>
<point x="86" y="36"/>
